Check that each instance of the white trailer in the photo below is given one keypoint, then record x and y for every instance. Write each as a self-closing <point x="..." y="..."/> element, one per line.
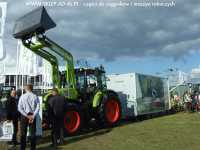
<point x="140" y="94"/>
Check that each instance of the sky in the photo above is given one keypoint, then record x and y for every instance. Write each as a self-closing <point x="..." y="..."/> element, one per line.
<point x="124" y="39"/>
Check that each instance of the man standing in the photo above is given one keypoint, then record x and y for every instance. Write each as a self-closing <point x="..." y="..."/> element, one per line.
<point x="28" y="106"/>
<point x="13" y="114"/>
<point x="194" y="98"/>
<point x="56" y="112"/>
<point x="187" y="101"/>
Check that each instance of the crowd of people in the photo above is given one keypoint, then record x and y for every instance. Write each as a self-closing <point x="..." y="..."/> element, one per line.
<point x="191" y="101"/>
<point x="24" y="109"/>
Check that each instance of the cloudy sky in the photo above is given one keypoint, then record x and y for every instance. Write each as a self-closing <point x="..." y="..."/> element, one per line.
<point x="124" y="39"/>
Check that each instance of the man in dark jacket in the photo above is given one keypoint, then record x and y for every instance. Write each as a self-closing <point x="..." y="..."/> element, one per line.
<point x="12" y="113"/>
<point x="56" y="105"/>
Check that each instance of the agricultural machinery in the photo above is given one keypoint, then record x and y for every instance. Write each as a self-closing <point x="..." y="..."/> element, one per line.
<point x="85" y="90"/>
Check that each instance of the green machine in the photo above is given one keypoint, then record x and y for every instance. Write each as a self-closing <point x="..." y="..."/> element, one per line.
<point x="87" y="96"/>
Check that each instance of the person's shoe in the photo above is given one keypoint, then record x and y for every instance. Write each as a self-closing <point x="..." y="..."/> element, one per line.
<point x="58" y="141"/>
<point x="61" y="142"/>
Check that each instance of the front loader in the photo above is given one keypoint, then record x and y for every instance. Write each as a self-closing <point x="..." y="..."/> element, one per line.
<point x="85" y="90"/>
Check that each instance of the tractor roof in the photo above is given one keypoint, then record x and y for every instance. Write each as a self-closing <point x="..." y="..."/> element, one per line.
<point x="89" y="70"/>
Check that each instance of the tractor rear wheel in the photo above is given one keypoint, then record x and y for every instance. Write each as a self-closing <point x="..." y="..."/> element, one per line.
<point x="109" y="111"/>
<point x="72" y="120"/>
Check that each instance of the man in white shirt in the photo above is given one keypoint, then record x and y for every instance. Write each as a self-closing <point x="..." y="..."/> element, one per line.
<point x="28" y="107"/>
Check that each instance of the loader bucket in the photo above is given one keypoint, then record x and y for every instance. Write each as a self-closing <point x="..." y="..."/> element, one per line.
<point x="36" y="21"/>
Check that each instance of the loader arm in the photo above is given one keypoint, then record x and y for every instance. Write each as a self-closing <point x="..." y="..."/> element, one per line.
<point x="41" y="43"/>
<point x="30" y="28"/>
<point x="37" y="48"/>
<point x="63" y="53"/>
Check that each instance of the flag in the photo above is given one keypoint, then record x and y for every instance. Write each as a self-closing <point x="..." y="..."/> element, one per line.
<point x="3" y="6"/>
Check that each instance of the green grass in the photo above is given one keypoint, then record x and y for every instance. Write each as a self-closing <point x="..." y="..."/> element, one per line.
<point x="173" y="132"/>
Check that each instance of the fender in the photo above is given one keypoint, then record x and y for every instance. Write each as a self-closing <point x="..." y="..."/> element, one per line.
<point x="97" y="99"/>
<point x="45" y="100"/>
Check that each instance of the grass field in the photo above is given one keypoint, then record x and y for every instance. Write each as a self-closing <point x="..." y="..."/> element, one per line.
<point x="174" y="132"/>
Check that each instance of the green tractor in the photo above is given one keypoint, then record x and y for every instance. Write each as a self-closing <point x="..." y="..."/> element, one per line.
<point x="87" y="96"/>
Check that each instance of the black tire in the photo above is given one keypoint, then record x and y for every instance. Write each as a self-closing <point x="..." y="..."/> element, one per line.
<point x="102" y="118"/>
<point x="72" y="110"/>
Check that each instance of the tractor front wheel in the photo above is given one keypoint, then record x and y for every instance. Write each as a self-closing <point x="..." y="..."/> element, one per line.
<point x="72" y="120"/>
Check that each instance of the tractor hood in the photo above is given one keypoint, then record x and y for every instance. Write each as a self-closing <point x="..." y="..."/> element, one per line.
<point x="36" y="21"/>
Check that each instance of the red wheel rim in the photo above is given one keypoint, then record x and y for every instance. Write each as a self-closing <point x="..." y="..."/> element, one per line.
<point x="112" y="111"/>
<point x="72" y="121"/>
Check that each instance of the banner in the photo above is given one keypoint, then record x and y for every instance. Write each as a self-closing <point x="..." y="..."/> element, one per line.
<point x="6" y="131"/>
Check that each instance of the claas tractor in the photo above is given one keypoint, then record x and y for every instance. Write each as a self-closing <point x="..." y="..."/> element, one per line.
<point x="85" y="90"/>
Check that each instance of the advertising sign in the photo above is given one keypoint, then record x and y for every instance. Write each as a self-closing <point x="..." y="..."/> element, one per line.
<point x="152" y="94"/>
<point x="6" y="131"/>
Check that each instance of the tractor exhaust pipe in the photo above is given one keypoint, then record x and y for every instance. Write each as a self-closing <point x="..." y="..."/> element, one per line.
<point x="37" y="21"/>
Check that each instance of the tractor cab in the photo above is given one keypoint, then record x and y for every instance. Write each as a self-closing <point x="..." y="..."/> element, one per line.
<point x="89" y="80"/>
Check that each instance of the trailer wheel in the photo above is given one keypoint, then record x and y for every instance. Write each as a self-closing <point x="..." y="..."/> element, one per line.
<point x="109" y="111"/>
<point x="72" y="120"/>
